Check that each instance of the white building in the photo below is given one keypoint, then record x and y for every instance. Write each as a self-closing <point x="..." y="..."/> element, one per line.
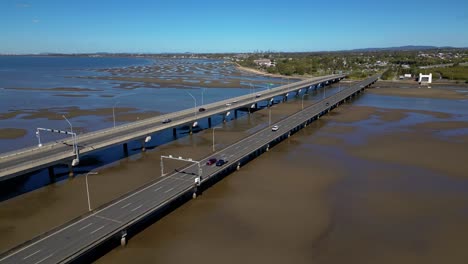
<point x="263" y="62"/>
<point x="425" y="78"/>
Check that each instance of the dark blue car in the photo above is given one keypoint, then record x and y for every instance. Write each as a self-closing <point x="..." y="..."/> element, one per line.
<point x="220" y="162"/>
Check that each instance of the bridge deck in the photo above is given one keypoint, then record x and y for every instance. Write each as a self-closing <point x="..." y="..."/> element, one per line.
<point x="31" y="159"/>
<point x="73" y="239"/>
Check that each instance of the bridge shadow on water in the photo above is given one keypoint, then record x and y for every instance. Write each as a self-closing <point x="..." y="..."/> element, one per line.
<point x="105" y="157"/>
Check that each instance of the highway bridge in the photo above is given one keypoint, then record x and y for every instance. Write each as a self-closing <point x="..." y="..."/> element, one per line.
<point x="80" y="239"/>
<point x="32" y="159"/>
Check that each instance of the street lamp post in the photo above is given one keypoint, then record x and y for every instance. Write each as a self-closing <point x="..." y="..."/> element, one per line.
<point x="113" y="110"/>
<point x="71" y="130"/>
<point x="87" y="188"/>
<point x="75" y="144"/>
<point x="214" y="138"/>
<point x="195" y="101"/>
<point x="270" y="103"/>
<point x="269" y="115"/>
<point x="302" y="101"/>
<point x="203" y="90"/>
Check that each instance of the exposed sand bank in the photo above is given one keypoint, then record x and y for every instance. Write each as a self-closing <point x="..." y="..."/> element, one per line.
<point x="121" y="113"/>
<point x="395" y="197"/>
<point x="414" y="90"/>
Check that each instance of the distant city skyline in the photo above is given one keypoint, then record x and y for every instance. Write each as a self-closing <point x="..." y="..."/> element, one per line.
<point x="208" y="26"/>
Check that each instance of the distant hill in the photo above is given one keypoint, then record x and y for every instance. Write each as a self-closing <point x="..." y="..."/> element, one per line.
<point x="404" y="48"/>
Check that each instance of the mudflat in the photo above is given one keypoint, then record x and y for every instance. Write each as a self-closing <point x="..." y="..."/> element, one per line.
<point x="357" y="186"/>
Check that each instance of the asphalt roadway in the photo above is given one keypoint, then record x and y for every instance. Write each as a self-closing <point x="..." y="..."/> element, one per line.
<point x="76" y="237"/>
<point x="31" y="159"/>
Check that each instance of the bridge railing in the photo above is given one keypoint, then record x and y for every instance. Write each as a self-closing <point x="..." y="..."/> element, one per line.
<point x="159" y="118"/>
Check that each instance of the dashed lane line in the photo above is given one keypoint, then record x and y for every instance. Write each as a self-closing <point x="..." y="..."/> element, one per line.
<point x="32" y="254"/>
<point x="84" y="227"/>
<point x="136" y="208"/>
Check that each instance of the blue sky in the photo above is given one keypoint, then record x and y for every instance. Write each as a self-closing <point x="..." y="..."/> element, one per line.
<point x="227" y="26"/>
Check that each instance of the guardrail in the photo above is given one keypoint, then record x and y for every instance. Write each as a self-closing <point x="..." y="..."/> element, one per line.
<point x="305" y="114"/>
<point x="156" y="120"/>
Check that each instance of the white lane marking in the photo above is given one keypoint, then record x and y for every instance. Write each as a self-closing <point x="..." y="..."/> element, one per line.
<point x="108" y="207"/>
<point x="32" y="254"/>
<point x="73" y="224"/>
<point x="97" y="230"/>
<point x="108" y="219"/>
<point x="125" y="205"/>
<point x="84" y="227"/>
<point x="169" y="190"/>
<point x="136" y="208"/>
<point x="44" y="258"/>
<point x="182" y="179"/>
<point x="157" y="189"/>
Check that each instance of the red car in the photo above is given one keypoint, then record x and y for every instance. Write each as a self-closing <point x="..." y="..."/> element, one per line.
<point x="211" y="161"/>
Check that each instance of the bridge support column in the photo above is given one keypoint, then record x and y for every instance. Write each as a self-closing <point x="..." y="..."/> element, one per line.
<point x="289" y="134"/>
<point x="238" y="166"/>
<point x="70" y="170"/>
<point x="123" y="239"/>
<point x="143" y="147"/>
<point x="235" y="113"/>
<point x="195" y="187"/>
<point x="125" y="149"/>
<point x="190" y="130"/>
<point x="174" y="132"/>
<point x="209" y="122"/>
<point x="51" y="174"/>
<point x="268" y="147"/>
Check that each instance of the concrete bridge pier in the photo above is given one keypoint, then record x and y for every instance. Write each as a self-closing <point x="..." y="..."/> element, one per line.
<point x="190" y="129"/>
<point x="143" y="147"/>
<point x="209" y="122"/>
<point x="123" y="238"/>
<point x="52" y="176"/>
<point x="174" y="132"/>
<point x="125" y="149"/>
<point x="238" y="166"/>
<point x="235" y="113"/>
<point x="70" y="170"/>
<point x="285" y="98"/>
<point x="196" y="183"/>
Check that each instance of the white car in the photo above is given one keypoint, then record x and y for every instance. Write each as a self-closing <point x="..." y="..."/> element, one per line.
<point x="228" y="104"/>
<point x="274" y="128"/>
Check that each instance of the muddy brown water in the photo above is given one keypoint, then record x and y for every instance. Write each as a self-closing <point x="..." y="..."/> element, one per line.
<point x="335" y="192"/>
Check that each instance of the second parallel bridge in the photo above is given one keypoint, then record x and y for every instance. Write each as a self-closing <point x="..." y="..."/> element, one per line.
<point x="32" y="159"/>
<point x="76" y="238"/>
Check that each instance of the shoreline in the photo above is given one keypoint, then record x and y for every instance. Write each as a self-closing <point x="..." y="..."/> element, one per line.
<point x="250" y="70"/>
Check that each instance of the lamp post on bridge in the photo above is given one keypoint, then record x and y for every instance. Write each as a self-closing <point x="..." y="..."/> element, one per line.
<point x="74" y="142"/>
<point x="214" y="137"/>
<point x="302" y="101"/>
<point x="269" y="111"/>
<point x="113" y="111"/>
<point x="195" y="101"/>
<point x="203" y="90"/>
<point x="87" y="188"/>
